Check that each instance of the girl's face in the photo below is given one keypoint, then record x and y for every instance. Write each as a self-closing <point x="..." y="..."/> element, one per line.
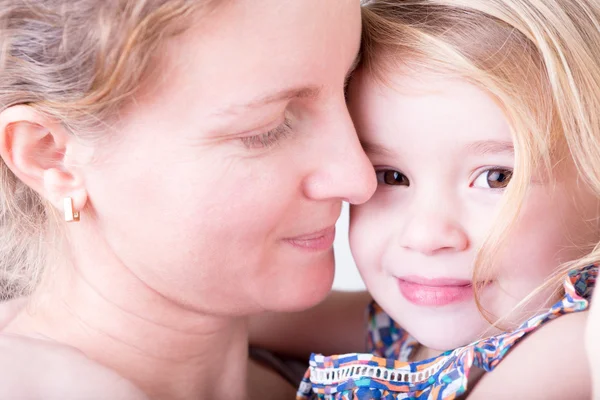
<point x="223" y="184"/>
<point x="443" y="154"/>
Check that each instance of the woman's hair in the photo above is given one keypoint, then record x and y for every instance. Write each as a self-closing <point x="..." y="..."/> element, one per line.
<point x="538" y="59"/>
<point x="77" y="62"/>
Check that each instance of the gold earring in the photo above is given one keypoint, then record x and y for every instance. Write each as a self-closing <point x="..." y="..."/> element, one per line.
<point x="70" y="214"/>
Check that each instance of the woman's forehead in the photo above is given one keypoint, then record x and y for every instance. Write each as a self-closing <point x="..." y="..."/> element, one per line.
<point x="241" y="58"/>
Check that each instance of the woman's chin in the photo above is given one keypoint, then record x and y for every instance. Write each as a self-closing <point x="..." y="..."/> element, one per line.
<point x="306" y="287"/>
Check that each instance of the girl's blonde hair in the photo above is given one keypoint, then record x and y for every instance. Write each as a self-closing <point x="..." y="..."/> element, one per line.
<point x="77" y="62"/>
<point x="539" y="60"/>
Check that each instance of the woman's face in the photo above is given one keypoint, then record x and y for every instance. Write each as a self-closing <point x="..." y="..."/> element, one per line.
<point x="224" y="180"/>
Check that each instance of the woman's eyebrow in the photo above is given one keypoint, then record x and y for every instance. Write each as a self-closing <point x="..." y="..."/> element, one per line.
<point x="306" y="92"/>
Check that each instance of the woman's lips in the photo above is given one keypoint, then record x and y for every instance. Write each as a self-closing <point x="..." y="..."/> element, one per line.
<point x="435" y="292"/>
<point x="316" y="241"/>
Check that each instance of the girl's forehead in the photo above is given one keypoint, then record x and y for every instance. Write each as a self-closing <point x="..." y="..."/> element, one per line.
<point x="421" y="109"/>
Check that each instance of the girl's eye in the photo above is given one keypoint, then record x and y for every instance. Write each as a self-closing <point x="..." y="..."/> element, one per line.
<point x="494" y="178"/>
<point x="268" y="139"/>
<point x="391" y="177"/>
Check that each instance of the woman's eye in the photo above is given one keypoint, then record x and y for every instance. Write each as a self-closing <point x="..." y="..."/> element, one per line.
<point x="268" y="139"/>
<point x="494" y="178"/>
<point x="391" y="177"/>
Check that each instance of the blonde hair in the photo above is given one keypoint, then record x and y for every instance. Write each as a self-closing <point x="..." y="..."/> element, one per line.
<point x="77" y="62"/>
<point x="539" y="60"/>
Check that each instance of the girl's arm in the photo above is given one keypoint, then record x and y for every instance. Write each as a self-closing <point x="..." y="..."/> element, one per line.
<point x="550" y="364"/>
<point x="593" y="347"/>
<point x="337" y="325"/>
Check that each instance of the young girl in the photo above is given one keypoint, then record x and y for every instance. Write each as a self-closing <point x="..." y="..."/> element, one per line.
<point x="478" y="233"/>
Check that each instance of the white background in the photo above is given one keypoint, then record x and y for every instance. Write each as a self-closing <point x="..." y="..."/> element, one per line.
<point x="346" y="274"/>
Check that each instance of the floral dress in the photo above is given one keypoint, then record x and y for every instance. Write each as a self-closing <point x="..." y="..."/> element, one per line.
<point x="386" y="374"/>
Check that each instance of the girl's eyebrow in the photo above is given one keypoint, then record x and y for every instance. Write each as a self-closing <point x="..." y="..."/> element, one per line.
<point x="484" y="147"/>
<point x="375" y="149"/>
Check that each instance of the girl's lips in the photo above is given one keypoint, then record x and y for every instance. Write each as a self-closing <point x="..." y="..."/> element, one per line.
<point x="316" y="241"/>
<point x="435" y="292"/>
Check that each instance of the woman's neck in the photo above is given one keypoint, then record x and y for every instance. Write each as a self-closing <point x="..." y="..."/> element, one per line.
<point x="168" y="351"/>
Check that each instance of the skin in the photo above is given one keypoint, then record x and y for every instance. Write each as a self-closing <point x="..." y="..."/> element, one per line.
<point x="444" y="139"/>
<point x="593" y="348"/>
<point x="437" y="140"/>
<point x="188" y="204"/>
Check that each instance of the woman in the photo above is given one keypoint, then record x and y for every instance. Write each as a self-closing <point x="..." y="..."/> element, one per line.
<point x="169" y="168"/>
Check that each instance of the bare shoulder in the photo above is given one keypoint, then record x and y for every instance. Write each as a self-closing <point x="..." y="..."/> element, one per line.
<point x="9" y="310"/>
<point x="36" y="369"/>
<point x="550" y="363"/>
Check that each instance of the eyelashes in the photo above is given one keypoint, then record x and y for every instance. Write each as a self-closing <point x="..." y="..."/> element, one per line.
<point x="392" y="177"/>
<point x="270" y="138"/>
<point x="494" y="178"/>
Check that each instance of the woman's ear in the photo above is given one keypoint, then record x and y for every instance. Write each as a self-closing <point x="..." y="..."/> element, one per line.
<point x="34" y="147"/>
